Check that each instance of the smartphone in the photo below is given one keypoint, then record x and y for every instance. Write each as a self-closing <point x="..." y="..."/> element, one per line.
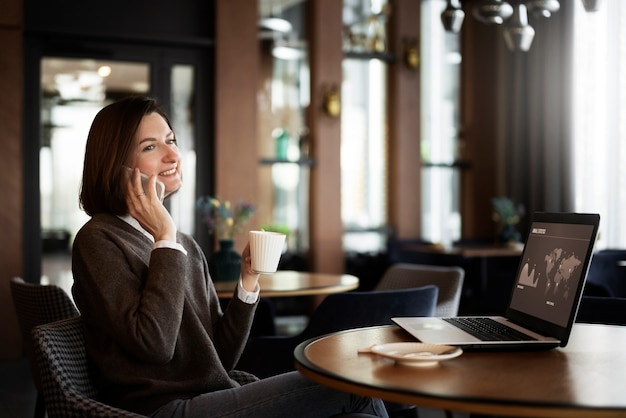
<point x="160" y="187"/>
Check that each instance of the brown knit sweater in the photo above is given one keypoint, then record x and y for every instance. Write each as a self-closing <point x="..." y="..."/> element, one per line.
<point x="153" y="324"/>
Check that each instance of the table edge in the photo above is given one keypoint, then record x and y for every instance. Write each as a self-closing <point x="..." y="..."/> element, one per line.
<point x="479" y="405"/>
<point x="310" y="291"/>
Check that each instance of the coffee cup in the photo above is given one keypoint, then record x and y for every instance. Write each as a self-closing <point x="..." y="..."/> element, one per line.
<point x="266" y="248"/>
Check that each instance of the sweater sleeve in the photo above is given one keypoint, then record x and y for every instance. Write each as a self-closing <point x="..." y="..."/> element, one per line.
<point x="229" y="329"/>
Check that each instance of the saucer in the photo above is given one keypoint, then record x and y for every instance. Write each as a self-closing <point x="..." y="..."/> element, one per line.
<point x="416" y="354"/>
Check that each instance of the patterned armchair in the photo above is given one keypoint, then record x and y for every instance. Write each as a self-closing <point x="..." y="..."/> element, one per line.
<point x="37" y="304"/>
<point x="67" y="379"/>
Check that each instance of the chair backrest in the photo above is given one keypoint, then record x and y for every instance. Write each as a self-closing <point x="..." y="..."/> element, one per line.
<point x="602" y="310"/>
<point x="608" y="270"/>
<point x="67" y="379"/>
<point x="448" y="279"/>
<point x="35" y="305"/>
<point x="341" y="311"/>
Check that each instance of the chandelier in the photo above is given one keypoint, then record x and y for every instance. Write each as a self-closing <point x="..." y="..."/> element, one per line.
<point x="518" y="34"/>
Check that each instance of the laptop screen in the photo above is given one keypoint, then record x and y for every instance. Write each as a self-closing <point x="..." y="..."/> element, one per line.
<point x="553" y="267"/>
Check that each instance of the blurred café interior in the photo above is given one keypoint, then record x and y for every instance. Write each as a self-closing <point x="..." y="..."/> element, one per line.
<point x="365" y="128"/>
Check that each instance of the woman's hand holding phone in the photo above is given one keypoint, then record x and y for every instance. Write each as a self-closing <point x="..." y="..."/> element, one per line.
<point x="145" y="183"/>
<point x="147" y="208"/>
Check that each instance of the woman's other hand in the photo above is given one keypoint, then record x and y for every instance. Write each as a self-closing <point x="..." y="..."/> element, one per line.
<point x="249" y="278"/>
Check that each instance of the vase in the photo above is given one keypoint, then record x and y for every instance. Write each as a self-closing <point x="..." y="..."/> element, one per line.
<point x="226" y="262"/>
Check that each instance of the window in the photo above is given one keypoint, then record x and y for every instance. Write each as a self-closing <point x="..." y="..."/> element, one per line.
<point x="599" y="85"/>
<point x="364" y="127"/>
<point x="440" y="67"/>
<point x="282" y="126"/>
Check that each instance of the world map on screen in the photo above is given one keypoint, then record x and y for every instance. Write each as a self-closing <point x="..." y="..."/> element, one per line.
<point x="557" y="269"/>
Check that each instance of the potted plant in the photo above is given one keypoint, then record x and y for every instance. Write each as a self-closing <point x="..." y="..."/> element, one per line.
<point x="225" y="220"/>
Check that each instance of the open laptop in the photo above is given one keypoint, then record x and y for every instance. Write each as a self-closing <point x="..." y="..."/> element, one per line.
<point x="545" y="298"/>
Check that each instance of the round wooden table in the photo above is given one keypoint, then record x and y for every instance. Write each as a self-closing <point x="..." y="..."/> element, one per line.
<point x="287" y="283"/>
<point x="585" y="379"/>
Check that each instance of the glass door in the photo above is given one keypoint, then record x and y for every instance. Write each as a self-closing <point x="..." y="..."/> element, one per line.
<point x="71" y="91"/>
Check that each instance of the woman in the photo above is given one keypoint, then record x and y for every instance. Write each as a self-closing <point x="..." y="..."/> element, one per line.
<point x="153" y="324"/>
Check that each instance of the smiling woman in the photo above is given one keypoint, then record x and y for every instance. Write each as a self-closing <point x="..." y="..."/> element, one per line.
<point x="149" y="309"/>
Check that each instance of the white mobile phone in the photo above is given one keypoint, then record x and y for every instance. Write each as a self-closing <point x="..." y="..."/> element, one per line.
<point x="160" y="187"/>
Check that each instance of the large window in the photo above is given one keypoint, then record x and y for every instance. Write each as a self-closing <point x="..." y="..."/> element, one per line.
<point x="599" y="107"/>
<point x="282" y="126"/>
<point x="364" y="127"/>
<point x="440" y="69"/>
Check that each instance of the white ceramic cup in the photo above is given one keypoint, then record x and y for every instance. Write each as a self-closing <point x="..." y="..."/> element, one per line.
<point x="265" y="250"/>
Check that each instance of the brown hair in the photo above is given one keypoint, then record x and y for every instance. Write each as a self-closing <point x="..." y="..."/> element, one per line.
<point x="110" y="137"/>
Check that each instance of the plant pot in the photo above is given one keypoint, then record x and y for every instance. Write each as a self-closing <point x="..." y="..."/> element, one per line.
<point x="225" y="264"/>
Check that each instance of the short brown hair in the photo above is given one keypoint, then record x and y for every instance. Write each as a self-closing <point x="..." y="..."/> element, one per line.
<point x="110" y="137"/>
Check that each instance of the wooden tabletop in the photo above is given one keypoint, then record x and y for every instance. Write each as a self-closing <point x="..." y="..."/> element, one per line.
<point x="586" y="378"/>
<point x="285" y="283"/>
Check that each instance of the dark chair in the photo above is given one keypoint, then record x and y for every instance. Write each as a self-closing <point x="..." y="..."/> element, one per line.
<point x="595" y="289"/>
<point x="608" y="270"/>
<point x="67" y="377"/>
<point x="35" y="305"/>
<point x="449" y="281"/>
<point x="272" y="355"/>
<point x="602" y="310"/>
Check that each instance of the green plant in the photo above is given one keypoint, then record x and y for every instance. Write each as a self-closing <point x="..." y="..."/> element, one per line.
<point x="507" y="215"/>
<point x="283" y="229"/>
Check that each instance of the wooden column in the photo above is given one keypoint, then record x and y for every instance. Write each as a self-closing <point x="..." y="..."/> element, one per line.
<point x="11" y="160"/>
<point x="236" y="73"/>
<point x="404" y="123"/>
<point x="326" y="55"/>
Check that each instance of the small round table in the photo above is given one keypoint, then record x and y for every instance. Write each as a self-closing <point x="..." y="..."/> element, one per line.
<point x="287" y="283"/>
<point x="586" y="378"/>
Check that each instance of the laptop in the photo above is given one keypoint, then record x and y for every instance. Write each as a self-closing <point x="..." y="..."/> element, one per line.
<point x="544" y="299"/>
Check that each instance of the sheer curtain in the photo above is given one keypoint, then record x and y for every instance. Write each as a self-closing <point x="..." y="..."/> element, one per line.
<point x="534" y="120"/>
<point x="599" y="112"/>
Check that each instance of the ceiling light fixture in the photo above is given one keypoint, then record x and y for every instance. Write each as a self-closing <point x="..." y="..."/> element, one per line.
<point x="104" y="70"/>
<point x="543" y="8"/>
<point x="275" y="24"/>
<point x="452" y="17"/>
<point x="592" y="5"/>
<point x="493" y="11"/>
<point x="518" y="34"/>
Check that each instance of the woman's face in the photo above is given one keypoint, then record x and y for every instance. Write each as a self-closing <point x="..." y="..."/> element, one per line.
<point x="155" y="151"/>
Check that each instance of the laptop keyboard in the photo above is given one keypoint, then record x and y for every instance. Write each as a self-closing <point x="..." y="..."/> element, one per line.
<point x="486" y="329"/>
